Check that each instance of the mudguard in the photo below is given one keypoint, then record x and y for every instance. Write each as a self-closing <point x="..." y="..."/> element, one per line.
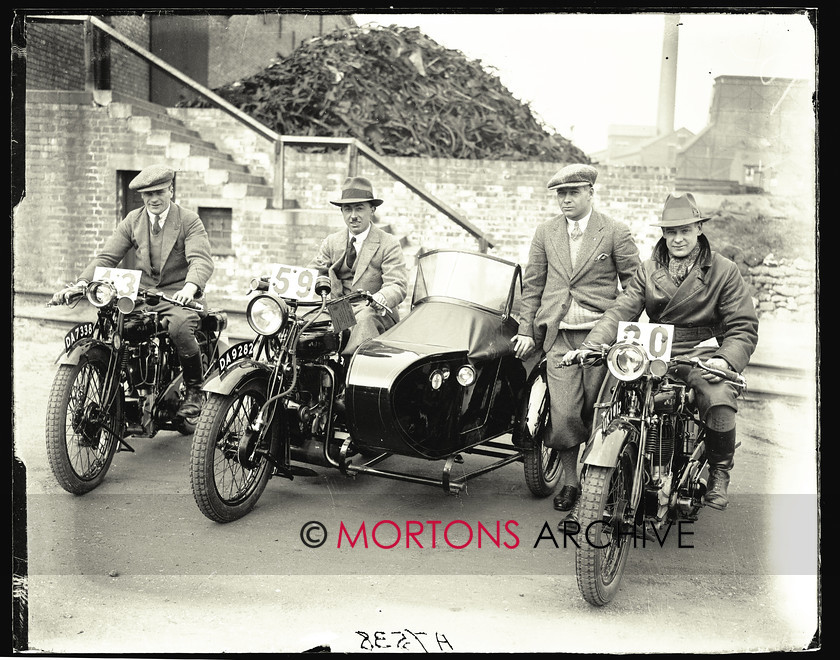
<point x="83" y="348"/>
<point x="604" y="448"/>
<point x="229" y="381"/>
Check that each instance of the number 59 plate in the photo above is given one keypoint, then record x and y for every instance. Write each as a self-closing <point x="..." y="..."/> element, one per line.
<point x="294" y="282"/>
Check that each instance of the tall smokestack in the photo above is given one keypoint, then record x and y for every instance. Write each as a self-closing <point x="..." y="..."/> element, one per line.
<point x="668" y="76"/>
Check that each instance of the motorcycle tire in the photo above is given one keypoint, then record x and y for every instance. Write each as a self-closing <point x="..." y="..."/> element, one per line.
<point x="543" y="468"/>
<point x="223" y="488"/>
<point x="80" y="440"/>
<point x="604" y="545"/>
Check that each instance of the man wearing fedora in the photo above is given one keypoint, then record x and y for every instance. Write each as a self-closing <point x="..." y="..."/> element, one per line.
<point x="172" y="250"/>
<point x="575" y="265"/>
<point x="363" y="257"/>
<point x="702" y="294"/>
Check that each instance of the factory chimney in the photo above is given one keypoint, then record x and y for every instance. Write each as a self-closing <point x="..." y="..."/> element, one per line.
<point x="668" y="76"/>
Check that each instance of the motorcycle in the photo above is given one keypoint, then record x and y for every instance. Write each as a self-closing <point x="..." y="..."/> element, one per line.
<point x="644" y="465"/>
<point x="118" y="376"/>
<point x="442" y="383"/>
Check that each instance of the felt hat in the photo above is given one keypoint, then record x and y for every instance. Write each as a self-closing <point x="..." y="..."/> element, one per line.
<point x="573" y="176"/>
<point x="680" y="209"/>
<point x="356" y="189"/>
<point x="155" y="177"/>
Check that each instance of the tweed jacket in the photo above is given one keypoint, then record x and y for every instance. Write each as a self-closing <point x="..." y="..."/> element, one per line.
<point x="380" y="266"/>
<point x="714" y="296"/>
<point x="185" y="252"/>
<point x="607" y="255"/>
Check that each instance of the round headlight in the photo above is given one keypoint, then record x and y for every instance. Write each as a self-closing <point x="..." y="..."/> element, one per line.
<point x="267" y="315"/>
<point x="101" y="293"/>
<point x="626" y="361"/>
<point x="466" y="375"/>
<point x="436" y="379"/>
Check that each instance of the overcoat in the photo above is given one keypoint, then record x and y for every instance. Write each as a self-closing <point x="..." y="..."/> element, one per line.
<point x="185" y="251"/>
<point x="380" y="266"/>
<point x="712" y="306"/>
<point x="607" y="255"/>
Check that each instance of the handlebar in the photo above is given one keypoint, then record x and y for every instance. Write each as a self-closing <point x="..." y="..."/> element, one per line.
<point x="73" y="295"/>
<point x="593" y="356"/>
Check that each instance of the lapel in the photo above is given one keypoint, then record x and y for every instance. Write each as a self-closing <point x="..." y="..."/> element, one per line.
<point x="171" y="229"/>
<point x="369" y="248"/>
<point x="589" y="242"/>
<point x="688" y="290"/>
<point x="559" y="245"/>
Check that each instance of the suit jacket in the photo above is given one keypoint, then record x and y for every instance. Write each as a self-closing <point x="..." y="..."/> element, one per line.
<point x="380" y="266"/>
<point x="185" y="252"/>
<point x="714" y="295"/>
<point x="607" y="255"/>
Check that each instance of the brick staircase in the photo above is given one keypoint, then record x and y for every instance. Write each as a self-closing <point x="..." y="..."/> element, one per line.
<point x="231" y="183"/>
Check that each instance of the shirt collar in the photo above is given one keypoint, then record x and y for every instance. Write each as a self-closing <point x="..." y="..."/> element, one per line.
<point x="162" y="216"/>
<point x="582" y="222"/>
<point x="359" y="237"/>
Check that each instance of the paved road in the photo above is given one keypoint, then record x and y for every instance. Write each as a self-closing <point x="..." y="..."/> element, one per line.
<point x="133" y="567"/>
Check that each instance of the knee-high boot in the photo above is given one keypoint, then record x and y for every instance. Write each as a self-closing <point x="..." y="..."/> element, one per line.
<point x="193" y="372"/>
<point x="720" y="452"/>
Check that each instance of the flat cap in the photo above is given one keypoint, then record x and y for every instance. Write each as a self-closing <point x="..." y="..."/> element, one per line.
<point x="153" y="177"/>
<point x="572" y="176"/>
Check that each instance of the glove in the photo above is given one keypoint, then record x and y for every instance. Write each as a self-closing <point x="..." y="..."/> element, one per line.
<point x="64" y="296"/>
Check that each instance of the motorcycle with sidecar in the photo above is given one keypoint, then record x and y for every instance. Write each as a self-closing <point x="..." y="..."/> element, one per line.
<point x="440" y="386"/>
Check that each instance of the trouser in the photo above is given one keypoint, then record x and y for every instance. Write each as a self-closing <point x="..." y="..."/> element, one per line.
<point x="573" y="392"/>
<point x="369" y="324"/>
<point x="181" y="323"/>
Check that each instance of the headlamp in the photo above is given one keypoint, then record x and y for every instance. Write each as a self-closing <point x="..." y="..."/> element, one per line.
<point x="627" y="361"/>
<point x="466" y="375"/>
<point x="267" y="315"/>
<point x="100" y="294"/>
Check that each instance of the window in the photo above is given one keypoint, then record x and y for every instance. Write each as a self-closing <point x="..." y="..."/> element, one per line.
<point x="218" y="223"/>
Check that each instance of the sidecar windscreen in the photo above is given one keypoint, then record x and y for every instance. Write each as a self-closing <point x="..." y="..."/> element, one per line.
<point x="489" y="282"/>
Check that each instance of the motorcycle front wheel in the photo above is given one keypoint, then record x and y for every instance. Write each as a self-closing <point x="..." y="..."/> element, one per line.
<point x="604" y="545"/>
<point x="224" y="489"/>
<point x="543" y="467"/>
<point x="81" y="432"/>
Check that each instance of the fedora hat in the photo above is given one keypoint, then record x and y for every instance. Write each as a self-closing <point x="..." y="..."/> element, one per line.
<point x="573" y="176"/>
<point x="356" y="189"/>
<point x="680" y="209"/>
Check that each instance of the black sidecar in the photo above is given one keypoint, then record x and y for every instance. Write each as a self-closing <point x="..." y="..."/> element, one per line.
<point x="444" y="381"/>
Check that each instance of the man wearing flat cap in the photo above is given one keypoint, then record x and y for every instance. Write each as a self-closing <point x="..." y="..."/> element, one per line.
<point x="703" y="295"/>
<point x="575" y="265"/>
<point x="362" y="256"/>
<point x="172" y="250"/>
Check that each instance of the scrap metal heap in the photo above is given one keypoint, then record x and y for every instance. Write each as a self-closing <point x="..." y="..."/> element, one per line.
<point x="399" y="92"/>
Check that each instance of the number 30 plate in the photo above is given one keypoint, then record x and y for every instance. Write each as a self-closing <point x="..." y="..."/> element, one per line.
<point x="655" y="338"/>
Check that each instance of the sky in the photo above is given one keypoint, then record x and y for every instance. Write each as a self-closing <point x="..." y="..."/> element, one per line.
<point x="581" y="73"/>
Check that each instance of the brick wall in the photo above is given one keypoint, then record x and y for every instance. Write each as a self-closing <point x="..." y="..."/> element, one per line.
<point x="73" y="152"/>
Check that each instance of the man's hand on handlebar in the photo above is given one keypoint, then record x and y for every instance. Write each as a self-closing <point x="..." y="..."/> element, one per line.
<point x="68" y="294"/>
<point x="715" y="363"/>
<point x="381" y="302"/>
<point x="186" y="295"/>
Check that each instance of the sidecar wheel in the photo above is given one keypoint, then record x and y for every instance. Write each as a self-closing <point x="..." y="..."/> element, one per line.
<point x="81" y="437"/>
<point x="223" y="488"/>
<point x="605" y="541"/>
<point x="543" y="468"/>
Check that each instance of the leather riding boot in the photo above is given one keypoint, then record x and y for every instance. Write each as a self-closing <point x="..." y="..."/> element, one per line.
<point x="720" y="452"/>
<point x="193" y="371"/>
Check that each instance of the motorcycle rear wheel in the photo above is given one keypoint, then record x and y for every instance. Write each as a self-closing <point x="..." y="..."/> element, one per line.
<point x="543" y="468"/>
<point x="81" y="439"/>
<point x="603" y="549"/>
<point x="223" y="488"/>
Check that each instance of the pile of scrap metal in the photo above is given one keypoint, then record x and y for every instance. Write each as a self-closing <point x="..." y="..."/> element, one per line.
<point x="399" y="92"/>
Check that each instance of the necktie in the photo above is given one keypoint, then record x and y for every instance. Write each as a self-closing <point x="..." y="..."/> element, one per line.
<point x="576" y="232"/>
<point x="350" y="258"/>
<point x="156" y="224"/>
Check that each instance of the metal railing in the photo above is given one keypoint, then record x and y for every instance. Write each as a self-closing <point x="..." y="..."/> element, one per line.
<point x="354" y="146"/>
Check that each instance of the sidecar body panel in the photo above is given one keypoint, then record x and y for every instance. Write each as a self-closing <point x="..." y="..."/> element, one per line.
<point x="403" y="389"/>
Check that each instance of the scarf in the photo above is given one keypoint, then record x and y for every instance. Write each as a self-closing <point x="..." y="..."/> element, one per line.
<point x="680" y="267"/>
